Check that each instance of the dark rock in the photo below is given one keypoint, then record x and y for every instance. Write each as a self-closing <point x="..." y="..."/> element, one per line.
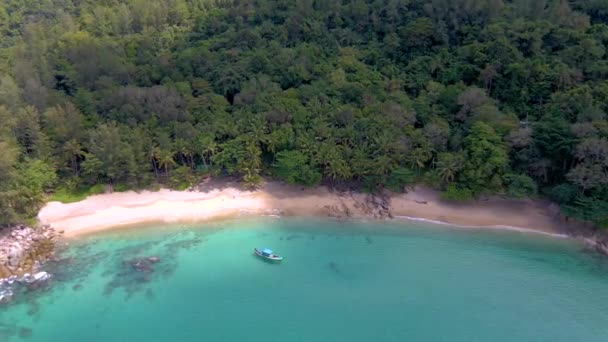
<point x="77" y="287"/>
<point x="25" y="332"/>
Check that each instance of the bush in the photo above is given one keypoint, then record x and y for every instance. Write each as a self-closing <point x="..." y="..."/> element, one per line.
<point x="400" y="178"/>
<point x="370" y="184"/>
<point x="73" y="193"/>
<point x="252" y="181"/>
<point x="589" y="209"/>
<point x="293" y="166"/>
<point x="520" y="185"/>
<point x="181" y="178"/>
<point x="457" y="193"/>
<point x="121" y="187"/>
<point x="563" y="193"/>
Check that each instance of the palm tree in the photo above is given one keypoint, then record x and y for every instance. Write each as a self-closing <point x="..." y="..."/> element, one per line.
<point x="338" y="168"/>
<point x="153" y="154"/>
<point x="165" y="160"/>
<point x="360" y="162"/>
<point x="448" y="165"/>
<point x="383" y="143"/>
<point x="305" y="142"/>
<point x="252" y="155"/>
<point x="208" y="148"/>
<point x="271" y="141"/>
<point x="185" y="151"/>
<point x="382" y="165"/>
<point x="419" y="157"/>
<point x="257" y="130"/>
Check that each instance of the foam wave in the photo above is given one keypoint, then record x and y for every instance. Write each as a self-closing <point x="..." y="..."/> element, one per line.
<point x="501" y="227"/>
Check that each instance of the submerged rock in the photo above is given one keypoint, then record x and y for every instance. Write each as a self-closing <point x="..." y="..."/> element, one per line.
<point x="143" y="264"/>
<point x="6" y="296"/>
<point x="25" y="332"/>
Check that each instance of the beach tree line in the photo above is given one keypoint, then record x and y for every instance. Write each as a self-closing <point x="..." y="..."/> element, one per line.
<point x="467" y="96"/>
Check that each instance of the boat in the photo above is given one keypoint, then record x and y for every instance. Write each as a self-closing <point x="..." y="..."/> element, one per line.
<point x="267" y="253"/>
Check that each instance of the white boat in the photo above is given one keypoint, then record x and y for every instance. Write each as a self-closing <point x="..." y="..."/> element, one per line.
<point x="267" y="254"/>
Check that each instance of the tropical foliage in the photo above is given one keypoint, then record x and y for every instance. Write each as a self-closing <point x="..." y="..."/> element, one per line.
<point x="470" y="96"/>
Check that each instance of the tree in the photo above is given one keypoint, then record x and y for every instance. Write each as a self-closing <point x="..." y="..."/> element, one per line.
<point x="592" y="169"/>
<point x="448" y="166"/>
<point x="486" y="159"/>
<point x="520" y="186"/>
<point x="73" y="150"/>
<point x="107" y="152"/>
<point x="457" y="193"/>
<point x="207" y="147"/>
<point x="400" y="178"/>
<point x="361" y="91"/>
<point x="165" y="160"/>
<point x="295" y="168"/>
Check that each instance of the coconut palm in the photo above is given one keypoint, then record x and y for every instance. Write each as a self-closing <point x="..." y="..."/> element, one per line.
<point x="208" y="148"/>
<point x="419" y="157"/>
<point x="448" y="165"/>
<point x="165" y="160"/>
<point x="153" y="153"/>
<point x="185" y="152"/>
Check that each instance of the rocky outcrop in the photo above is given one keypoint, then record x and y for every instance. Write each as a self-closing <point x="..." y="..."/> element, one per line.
<point x="353" y="205"/>
<point x="599" y="242"/>
<point x="23" y="249"/>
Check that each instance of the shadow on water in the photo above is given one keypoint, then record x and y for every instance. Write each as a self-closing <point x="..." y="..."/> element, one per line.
<point x="266" y="261"/>
<point x="10" y="330"/>
<point x="7" y="331"/>
<point x="129" y="268"/>
<point x="137" y="266"/>
<point x="292" y="237"/>
<point x="334" y="267"/>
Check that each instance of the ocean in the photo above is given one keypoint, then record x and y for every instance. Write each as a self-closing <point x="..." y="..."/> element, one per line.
<point x="339" y="281"/>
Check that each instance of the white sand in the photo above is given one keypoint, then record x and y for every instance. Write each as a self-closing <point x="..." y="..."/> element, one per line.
<point x="115" y="210"/>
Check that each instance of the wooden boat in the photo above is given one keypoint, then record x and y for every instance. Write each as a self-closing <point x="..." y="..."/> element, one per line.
<point x="267" y="254"/>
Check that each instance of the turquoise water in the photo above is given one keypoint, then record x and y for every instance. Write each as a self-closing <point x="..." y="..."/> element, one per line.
<point x="339" y="282"/>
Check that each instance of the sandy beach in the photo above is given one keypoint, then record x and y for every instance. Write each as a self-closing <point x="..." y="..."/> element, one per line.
<point x="216" y="200"/>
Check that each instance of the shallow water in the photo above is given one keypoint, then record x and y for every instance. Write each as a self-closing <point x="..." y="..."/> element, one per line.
<point x="339" y="282"/>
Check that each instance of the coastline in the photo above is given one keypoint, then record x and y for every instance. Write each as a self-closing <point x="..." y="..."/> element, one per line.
<point x="214" y="200"/>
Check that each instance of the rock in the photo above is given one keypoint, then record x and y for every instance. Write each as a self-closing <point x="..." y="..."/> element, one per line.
<point x="34" y="281"/>
<point x="602" y="246"/>
<point x="153" y="259"/>
<point x="15" y="254"/>
<point x="6" y="296"/>
<point x="25" y="332"/>
<point x="77" y="287"/>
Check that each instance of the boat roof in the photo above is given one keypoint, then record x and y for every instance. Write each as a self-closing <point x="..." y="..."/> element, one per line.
<point x="267" y="250"/>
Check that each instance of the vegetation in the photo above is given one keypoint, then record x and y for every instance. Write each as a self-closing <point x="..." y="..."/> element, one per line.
<point x="69" y="195"/>
<point x="472" y="96"/>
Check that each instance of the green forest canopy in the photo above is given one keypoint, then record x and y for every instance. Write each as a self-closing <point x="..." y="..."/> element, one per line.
<point x="468" y="96"/>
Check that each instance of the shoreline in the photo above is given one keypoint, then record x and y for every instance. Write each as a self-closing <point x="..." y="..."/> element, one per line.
<point x="217" y="199"/>
<point x="496" y="227"/>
